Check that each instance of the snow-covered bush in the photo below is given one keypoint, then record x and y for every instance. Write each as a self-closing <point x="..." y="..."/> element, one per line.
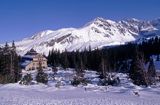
<point x="51" y="76"/>
<point x="26" y="80"/>
<point x="114" y="81"/>
<point x="42" y="77"/>
<point x="58" y="84"/>
<point x="78" y="80"/>
<point x="101" y="76"/>
<point x="54" y="69"/>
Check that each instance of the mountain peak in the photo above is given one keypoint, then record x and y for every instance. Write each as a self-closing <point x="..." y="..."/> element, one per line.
<point x="133" y="20"/>
<point x="99" y="21"/>
<point x="41" y="34"/>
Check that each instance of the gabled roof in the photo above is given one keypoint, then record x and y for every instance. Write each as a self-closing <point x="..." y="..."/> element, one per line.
<point x="30" y="55"/>
<point x="31" y="52"/>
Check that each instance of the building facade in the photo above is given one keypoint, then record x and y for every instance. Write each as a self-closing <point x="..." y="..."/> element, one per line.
<point x="33" y="61"/>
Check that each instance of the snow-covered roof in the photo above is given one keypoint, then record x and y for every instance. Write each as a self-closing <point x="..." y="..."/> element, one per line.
<point x="25" y="63"/>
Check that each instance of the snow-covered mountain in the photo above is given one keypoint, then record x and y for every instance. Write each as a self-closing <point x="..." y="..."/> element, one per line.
<point x="97" y="33"/>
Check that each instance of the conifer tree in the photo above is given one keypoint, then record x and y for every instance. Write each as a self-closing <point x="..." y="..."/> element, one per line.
<point x="9" y="65"/>
<point x="151" y="72"/>
<point x="41" y="76"/>
<point x="66" y="62"/>
<point x="137" y="71"/>
<point x="103" y="68"/>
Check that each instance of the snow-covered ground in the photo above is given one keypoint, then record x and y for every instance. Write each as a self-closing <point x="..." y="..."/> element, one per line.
<point x="92" y="94"/>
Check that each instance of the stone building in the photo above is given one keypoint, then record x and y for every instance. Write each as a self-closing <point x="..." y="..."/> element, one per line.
<point x="33" y="61"/>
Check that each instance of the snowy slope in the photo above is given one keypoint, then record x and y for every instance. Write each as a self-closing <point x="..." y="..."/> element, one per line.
<point x="97" y="33"/>
<point x="28" y="96"/>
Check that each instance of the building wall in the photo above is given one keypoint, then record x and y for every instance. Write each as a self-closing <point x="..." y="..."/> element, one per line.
<point x="36" y="63"/>
<point x="29" y="67"/>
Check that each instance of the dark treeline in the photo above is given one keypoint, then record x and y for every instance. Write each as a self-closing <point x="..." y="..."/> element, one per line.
<point x="9" y="64"/>
<point x="150" y="47"/>
<point x="110" y="58"/>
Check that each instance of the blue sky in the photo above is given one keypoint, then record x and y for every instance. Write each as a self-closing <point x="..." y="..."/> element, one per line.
<point x="23" y="18"/>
